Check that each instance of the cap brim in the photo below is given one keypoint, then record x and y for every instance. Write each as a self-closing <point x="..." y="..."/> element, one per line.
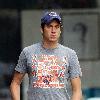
<point x="53" y="18"/>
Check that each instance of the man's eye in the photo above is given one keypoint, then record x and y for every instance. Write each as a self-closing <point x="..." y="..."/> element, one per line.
<point x="57" y="26"/>
<point x="48" y="26"/>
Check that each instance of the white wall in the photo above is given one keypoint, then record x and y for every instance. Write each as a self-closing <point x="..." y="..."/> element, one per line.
<point x="91" y="73"/>
<point x="30" y="27"/>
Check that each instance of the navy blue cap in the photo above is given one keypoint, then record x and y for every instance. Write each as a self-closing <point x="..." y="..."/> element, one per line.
<point x="49" y="16"/>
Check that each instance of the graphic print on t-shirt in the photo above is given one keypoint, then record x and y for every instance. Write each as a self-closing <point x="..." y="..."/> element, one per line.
<point x="49" y="71"/>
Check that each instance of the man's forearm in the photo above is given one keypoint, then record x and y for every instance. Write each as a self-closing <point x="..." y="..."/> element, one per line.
<point x="77" y="96"/>
<point x="15" y="91"/>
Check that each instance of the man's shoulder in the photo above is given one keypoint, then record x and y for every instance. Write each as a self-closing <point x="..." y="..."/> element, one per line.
<point x="68" y="49"/>
<point x="31" y="47"/>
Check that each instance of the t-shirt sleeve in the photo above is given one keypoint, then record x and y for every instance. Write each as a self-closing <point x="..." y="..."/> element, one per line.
<point x="22" y="63"/>
<point x="74" y="66"/>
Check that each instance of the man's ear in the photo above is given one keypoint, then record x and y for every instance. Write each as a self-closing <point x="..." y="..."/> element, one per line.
<point x="60" y="32"/>
<point x="41" y="30"/>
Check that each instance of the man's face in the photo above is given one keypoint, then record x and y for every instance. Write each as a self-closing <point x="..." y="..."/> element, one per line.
<point x="51" y="32"/>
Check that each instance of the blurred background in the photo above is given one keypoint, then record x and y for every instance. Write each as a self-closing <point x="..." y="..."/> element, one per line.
<point x="20" y="27"/>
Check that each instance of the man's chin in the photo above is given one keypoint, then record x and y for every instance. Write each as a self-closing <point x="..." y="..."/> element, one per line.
<point x="53" y="40"/>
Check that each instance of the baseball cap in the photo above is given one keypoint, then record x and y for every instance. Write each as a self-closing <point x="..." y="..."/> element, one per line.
<point x="49" y="16"/>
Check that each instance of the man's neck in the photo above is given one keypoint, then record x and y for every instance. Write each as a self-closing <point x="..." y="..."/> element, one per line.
<point x="49" y="45"/>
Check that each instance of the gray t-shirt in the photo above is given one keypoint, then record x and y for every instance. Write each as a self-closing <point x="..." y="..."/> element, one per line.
<point x="48" y="71"/>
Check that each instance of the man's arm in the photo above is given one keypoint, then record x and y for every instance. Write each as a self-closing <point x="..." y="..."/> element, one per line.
<point x="15" y="85"/>
<point x="76" y="88"/>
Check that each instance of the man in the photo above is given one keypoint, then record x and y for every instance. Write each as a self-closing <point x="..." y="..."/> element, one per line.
<point x="49" y="66"/>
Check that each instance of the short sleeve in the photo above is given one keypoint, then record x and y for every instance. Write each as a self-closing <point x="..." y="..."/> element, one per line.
<point x="22" y="63"/>
<point x="74" y="66"/>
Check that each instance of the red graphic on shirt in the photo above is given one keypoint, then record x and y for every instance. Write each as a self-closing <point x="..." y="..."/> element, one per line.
<point x="49" y="71"/>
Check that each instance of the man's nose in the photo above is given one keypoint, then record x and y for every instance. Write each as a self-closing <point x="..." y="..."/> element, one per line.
<point x="53" y="30"/>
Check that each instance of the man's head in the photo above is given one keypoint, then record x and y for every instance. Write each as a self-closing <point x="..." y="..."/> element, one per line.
<point x="51" y="26"/>
<point x="49" y="17"/>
